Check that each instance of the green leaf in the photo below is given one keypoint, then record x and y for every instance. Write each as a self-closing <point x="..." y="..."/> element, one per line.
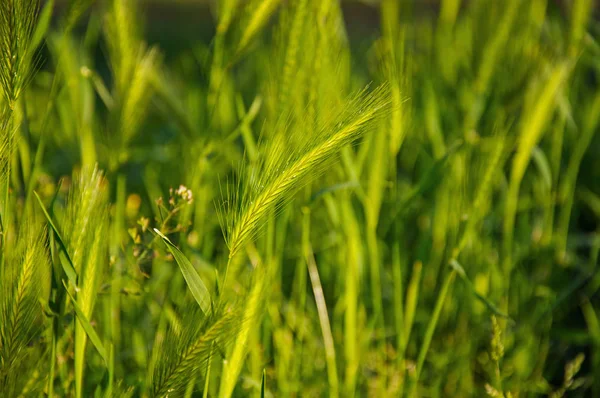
<point x="262" y="385"/>
<point x="490" y="306"/>
<point x="333" y="188"/>
<point x="194" y="282"/>
<point x="42" y="24"/>
<point x="541" y="161"/>
<point x="207" y="376"/>
<point x="89" y="330"/>
<point x="592" y="321"/>
<point x="65" y="259"/>
<point x="431" y="330"/>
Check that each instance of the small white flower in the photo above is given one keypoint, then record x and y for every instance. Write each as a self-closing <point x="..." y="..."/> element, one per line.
<point x="185" y="193"/>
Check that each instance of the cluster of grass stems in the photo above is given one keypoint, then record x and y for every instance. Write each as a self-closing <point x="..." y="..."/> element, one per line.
<point x="292" y="209"/>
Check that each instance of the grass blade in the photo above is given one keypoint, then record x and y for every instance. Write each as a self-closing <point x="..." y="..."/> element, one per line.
<point x="490" y="306"/>
<point x="66" y="261"/>
<point x="262" y="384"/>
<point x="431" y="328"/>
<point x="317" y="288"/>
<point x="207" y="375"/>
<point x="43" y="23"/>
<point x="232" y="367"/>
<point x="89" y="330"/>
<point x="194" y="282"/>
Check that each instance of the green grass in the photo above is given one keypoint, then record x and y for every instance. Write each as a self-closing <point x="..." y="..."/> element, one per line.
<point x="288" y="209"/>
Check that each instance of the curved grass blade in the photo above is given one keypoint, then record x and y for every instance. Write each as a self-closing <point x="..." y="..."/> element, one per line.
<point x="333" y="188"/>
<point x="89" y="330"/>
<point x="43" y="23"/>
<point x="490" y="306"/>
<point x="541" y="161"/>
<point x="66" y="261"/>
<point x="430" y="330"/>
<point x="232" y="367"/>
<point x="194" y="282"/>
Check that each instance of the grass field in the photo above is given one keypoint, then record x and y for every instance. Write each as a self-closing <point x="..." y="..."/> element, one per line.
<point x="298" y="206"/>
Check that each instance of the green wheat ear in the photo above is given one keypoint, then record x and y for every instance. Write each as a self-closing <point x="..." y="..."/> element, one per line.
<point x="17" y="24"/>
<point x="186" y="349"/>
<point x="134" y="66"/>
<point x="86" y="224"/>
<point x="24" y="285"/>
<point x="285" y="169"/>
